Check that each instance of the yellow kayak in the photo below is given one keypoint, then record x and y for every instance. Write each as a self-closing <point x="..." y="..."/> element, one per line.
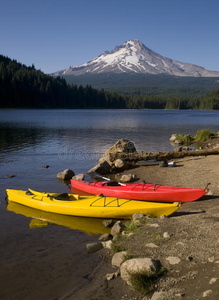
<point x="89" y="206"/>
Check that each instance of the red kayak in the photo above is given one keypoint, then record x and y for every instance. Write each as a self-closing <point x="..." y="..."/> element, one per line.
<point x="139" y="191"/>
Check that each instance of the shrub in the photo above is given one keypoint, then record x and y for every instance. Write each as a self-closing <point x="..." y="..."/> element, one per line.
<point x="116" y="247"/>
<point x="203" y="135"/>
<point x="131" y="226"/>
<point x="185" y="138"/>
<point x="157" y="237"/>
<point x="145" y="283"/>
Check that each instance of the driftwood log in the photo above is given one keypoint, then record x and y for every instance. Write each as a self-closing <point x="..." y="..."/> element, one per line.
<point x="159" y="156"/>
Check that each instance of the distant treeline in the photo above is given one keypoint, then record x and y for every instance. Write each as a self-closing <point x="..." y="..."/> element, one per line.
<point x="210" y="101"/>
<point x="26" y="87"/>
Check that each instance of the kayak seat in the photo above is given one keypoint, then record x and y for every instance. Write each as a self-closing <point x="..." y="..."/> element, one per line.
<point x="29" y="193"/>
<point x="112" y="183"/>
<point x="63" y="196"/>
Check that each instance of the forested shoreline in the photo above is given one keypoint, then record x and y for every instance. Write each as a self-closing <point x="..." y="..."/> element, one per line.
<point x="26" y="87"/>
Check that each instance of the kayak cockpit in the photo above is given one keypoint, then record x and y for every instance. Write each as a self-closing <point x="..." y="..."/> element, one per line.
<point x="112" y="183"/>
<point x="63" y="196"/>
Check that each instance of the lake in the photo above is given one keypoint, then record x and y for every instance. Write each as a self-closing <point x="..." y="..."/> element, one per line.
<point x="73" y="139"/>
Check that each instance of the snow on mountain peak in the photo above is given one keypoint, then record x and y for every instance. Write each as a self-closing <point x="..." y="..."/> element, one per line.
<point x="134" y="56"/>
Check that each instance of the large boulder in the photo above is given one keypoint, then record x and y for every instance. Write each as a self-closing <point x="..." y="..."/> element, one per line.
<point x="139" y="266"/>
<point x="108" y="161"/>
<point x="121" y="146"/>
<point x="102" y="168"/>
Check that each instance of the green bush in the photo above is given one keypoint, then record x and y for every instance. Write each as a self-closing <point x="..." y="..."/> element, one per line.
<point x="185" y="138"/>
<point x="146" y="283"/>
<point x="131" y="226"/>
<point x="115" y="246"/>
<point x="203" y="135"/>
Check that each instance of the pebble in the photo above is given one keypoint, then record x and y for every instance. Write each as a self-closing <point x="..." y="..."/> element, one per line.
<point x="117" y="228"/>
<point x="94" y="247"/>
<point x="154" y="225"/>
<point x="211" y="259"/>
<point x="167" y="235"/>
<point x="207" y="293"/>
<point x="112" y="275"/>
<point x="108" y="223"/>
<point x="137" y="217"/>
<point x="118" y="258"/>
<point x="180" y="243"/>
<point x="163" y="217"/>
<point x="78" y="177"/>
<point x="107" y="244"/>
<point x="127" y="234"/>
<point x="159" y="296"/>
<point x="213" y="280"/>
<point x="180" y="295"/>
<point x="173" y="260"/>
<point x="151" y="245"/>
<point x="105" y="237"/>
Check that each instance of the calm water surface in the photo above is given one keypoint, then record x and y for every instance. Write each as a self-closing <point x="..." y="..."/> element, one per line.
<point x="74" y="139"/>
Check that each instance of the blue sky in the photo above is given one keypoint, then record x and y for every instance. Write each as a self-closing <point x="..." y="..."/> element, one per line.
<point x="56" y="34"/>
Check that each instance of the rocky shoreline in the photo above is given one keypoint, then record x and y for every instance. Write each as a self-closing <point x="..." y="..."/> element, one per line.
<point x="185" y="244"/>
<point x="56" y="265"/>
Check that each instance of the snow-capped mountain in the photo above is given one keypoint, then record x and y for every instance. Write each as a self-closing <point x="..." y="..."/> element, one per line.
<point x="133" y="56"/>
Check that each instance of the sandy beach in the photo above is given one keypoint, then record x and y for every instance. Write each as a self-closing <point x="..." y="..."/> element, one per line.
<point x="194" y="229"/>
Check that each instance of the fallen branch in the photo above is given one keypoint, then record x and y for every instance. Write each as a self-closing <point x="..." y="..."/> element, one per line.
<point x="134" y="157"/>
